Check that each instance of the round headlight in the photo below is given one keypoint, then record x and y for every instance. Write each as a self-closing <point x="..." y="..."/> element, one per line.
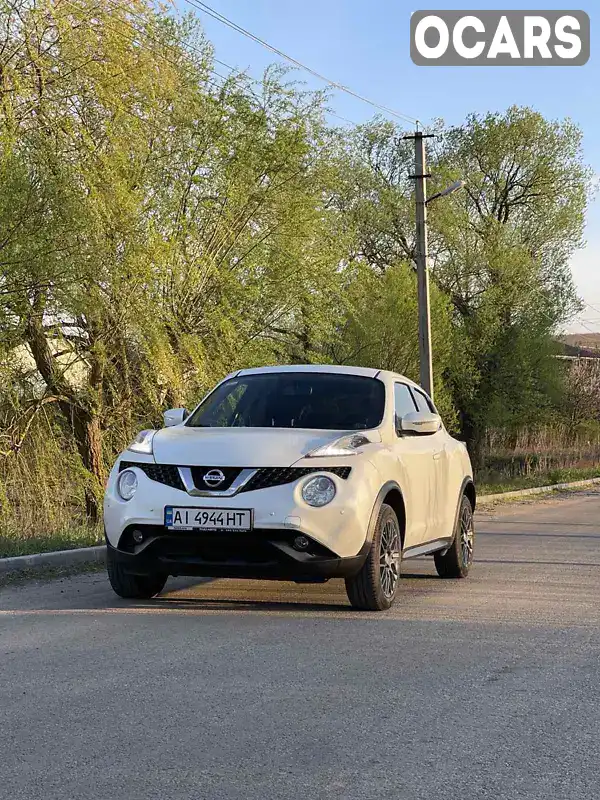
<point x="318" y="491"/>
<point x="127" y="484"/>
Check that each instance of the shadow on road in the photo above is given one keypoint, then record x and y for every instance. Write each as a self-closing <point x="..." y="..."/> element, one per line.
<point x="89" y="593"/>
<point x="221" y="604"/>
<point x="540" y="535"/>
<point x="537" y="562"/>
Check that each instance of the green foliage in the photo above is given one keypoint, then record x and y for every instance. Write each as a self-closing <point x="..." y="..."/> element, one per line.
<point x="497" y="484"/>
<point x="381" y="328"/>
<point x="499" y="252"/>
<point x="502" y="251"/>
<point x="155" y="227"/>
<point x="159" y="231"/>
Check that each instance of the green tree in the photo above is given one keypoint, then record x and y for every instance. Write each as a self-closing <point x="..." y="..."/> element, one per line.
<point x="499" y="250"/>
<point x="159" y="230"/>
<point x="501" y="253"/>
<point x="378" y="309"/>
<point x="75" y="141"/>
<point x="381" y="328"/>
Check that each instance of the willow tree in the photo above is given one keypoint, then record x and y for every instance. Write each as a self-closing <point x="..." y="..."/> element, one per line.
<point x="252" y="243"/>
<point x="158" y="228"/>
<point x="84" y="108"/>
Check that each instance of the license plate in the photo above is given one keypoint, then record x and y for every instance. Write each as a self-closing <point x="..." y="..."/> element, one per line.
<point x="208" y="519"/>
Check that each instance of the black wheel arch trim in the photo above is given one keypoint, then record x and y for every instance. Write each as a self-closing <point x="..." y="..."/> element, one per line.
<point x="466" y="484"/>
<point x="382" y="494"/>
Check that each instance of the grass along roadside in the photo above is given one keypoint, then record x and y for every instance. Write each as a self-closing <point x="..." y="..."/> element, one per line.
<point x="500" y="484"/>
<point x="15" y="543"/>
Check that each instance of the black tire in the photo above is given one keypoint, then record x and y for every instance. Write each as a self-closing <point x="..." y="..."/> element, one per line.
<point x="375" y="587"/>
<point x="457" y="561"/>
<point x="135" y="587"/>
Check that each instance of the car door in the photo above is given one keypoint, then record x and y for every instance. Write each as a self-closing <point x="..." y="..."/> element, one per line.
<point x="439" y="454"/>
<point x="415" y="457"/>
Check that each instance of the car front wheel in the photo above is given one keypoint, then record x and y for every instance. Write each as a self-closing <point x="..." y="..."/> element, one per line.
<point x="374" y="588"/>
<point x="134" y="587"/>
<point x="457" y="560"/>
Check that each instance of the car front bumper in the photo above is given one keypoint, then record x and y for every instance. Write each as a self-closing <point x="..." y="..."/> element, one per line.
<point x="264" y="555"/>
<point x="336" y="533"/>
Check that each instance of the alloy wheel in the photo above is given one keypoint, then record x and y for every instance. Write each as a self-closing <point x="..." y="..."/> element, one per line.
<point x="389" y="558"/>
<point x="466" y="536"/>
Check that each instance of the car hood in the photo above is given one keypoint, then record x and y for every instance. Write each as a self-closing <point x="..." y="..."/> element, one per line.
<point x="237" y="447"/>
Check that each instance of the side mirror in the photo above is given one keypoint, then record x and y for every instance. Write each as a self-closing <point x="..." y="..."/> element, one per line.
<point x="422" y="423"/>
<point x="174" y="416"/>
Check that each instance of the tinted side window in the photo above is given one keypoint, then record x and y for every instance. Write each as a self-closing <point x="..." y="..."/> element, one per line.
<point x="423" y="404"/>
<point x="403" y="401"/>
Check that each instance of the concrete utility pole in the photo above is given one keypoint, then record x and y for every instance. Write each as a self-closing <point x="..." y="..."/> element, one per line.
<point x="421" y="258"/>
<point x="422" y="254"/>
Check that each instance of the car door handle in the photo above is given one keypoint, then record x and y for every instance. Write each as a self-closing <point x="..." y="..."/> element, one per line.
<point x="437" y="456"/>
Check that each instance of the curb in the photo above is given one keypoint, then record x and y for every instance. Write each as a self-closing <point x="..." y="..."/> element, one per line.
<point x="96" y="555"/>
<point x="59" y="558"/>
<point x="538" y="490"/>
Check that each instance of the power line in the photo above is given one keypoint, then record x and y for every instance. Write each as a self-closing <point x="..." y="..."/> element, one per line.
<point x="139" y="32"/>
<point x="238" y="28"/>
<point x="593" y="308"/>
<point x="188" y="46"/>
<point x="584" y="325"/>
<point x="344" y="119"/>
<point x="184" y="44"/>
<point x="216" y="60"/>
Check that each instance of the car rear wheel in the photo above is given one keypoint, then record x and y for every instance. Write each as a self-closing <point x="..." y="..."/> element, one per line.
<point x="457" y="560"/>
<point x="135" y="587"/>
<point x="374" y="588"/>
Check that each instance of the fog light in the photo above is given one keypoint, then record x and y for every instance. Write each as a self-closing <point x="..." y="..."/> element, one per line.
<point x="301" y="543"/>
<point x="138" y="536"/>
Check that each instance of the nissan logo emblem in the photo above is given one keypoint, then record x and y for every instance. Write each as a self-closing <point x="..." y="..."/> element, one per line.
<point x="213" y="478"/>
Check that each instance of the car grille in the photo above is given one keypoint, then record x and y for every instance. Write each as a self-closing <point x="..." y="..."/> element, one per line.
<point x="264" y="478"/>
<point x="162" y="473"/>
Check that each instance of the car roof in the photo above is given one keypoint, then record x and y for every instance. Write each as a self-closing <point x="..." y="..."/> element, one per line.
<point x="366" y="372"/>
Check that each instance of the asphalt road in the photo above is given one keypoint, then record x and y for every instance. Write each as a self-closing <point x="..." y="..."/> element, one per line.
<point x="484" y="688"/>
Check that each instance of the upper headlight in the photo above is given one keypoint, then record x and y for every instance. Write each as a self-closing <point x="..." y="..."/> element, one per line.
<point x="127" y="484"/>
<point x="143" y="443"/>
<point x="318" y="491"/>
<point x="346" y="446"/>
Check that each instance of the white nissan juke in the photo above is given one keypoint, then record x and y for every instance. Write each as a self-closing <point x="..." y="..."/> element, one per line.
<point x="301" y="473"/>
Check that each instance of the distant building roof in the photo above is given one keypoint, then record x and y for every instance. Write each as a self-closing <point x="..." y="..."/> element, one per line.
<point x="576" y="351"/>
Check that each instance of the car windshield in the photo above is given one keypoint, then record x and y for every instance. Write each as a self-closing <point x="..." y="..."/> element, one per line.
<point x="316" y="400"/>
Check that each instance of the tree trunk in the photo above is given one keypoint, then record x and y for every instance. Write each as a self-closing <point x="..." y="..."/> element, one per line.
<point x="173" y="397"/>
<point x="78" y="411"/>
<point x="88" y="440"/>
<point x="474" y="437"/>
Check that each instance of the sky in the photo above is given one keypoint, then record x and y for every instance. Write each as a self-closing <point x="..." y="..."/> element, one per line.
<point x="365" y="45"/>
